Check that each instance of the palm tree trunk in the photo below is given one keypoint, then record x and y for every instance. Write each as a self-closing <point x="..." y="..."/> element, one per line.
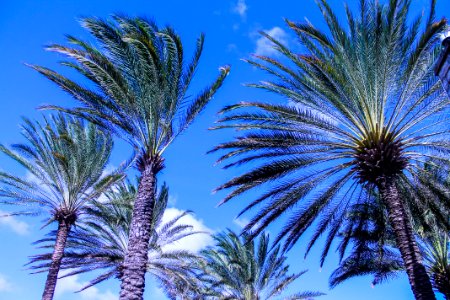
<point x="404" y="235"/>
<point x="58" y="253"/>
<point x="135" y="263"/>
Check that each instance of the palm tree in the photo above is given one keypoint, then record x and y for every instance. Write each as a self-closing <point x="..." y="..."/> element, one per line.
<point x="65" y="159"/>
<point x="436" y="255"/>
<point x="238" y="269"/>
<point x="100" y="242"/>
<point x="365" y="109"/>
<point x="372" y="242"/>
<point x="374" y="251"/>
<point x="139" y="91"/>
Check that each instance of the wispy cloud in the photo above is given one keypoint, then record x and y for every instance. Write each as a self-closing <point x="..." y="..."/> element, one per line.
<point x="5" y="285"/>
<point x="194" y="242"/>
<point x="12" y="223"/>
<point x="265" y="47"/>
<point x="72" y="284"/>
<point x="241" y="8"/>
<point x="241" y="222"/>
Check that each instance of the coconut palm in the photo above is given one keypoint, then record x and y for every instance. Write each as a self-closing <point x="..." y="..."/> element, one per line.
<point x="139" y="85"/>
<point x="364" y="110"/>
<point x="100" y="242"/>
<point x="243" y="270"/>
<point x="65" y="160"/>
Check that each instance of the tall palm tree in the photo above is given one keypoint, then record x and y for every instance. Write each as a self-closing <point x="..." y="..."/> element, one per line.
<point x="365" y="109"/>
<point x="139" y="83"/>
<point x="100" y="242"/>
<point x="239" y="269"/>
<point x="65" y="159"/>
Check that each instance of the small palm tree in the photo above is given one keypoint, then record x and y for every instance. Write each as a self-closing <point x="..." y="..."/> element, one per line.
<point x="436" y="255"/>
<point x="100" y="242"/>
<point x="374" y="251"/>
<point x="372" y="242"/>
<point x="365" y="110"/>
<point x="65" y="159"/>
<point x="239" y="269"/>
<point x="139" y="83"/>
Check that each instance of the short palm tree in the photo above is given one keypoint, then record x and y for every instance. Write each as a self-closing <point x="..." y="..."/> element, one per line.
<point x="65" y="159"/>
<point x="243" y="270"/>
<point x="139" y="83"/>
<point x="374" y="251"/>
<point x="372" y="241"/>
<point x="100" y="243"/>
<point x="365" y="109"/>
<point x="436" y="255"/>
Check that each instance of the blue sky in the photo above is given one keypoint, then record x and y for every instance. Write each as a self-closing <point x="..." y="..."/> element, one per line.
<point x="231" y="28"/>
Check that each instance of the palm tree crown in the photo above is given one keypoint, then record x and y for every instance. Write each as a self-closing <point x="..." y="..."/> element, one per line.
<point x="365" y="110"/>
<point x="100" y="242"/>
<point x="240" y="269"/>
<point x="65" y="159"/>
<point x="141" y="82"/>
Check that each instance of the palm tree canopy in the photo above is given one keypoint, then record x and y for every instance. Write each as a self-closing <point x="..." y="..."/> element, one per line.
<point x="364" y="107"/>
<point x="65" y="160"/>
<point x="99" y="242"/>
<point x="241" y="269"/>
<point x="140" y="81"/>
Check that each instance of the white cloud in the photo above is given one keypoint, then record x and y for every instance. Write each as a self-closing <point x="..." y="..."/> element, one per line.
<point x="72" y="284"/>
<point x="241" y="222"/>
<point x="232" y="48"/>
<point x="444" y="35"/>
<point x="5" y="285"/>
<point x="15" y="225"/>
<point x="193" y="242"/>
<point x="172" y="200"/>
<point x="240" y="8"/>
<point x="265" y="47"/>
<point x="158" y="293"/>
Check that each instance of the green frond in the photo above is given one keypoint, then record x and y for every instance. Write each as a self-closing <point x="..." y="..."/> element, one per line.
<point x="138" y="81"/>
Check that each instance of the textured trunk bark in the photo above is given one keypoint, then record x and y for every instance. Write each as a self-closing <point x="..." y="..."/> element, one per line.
<point x="58" y="253"/>
<point x="135" y="263"/>
<point x="404" y="235"/>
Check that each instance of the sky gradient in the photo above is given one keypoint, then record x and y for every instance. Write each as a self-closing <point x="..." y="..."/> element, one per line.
<point x="231" y="28"/>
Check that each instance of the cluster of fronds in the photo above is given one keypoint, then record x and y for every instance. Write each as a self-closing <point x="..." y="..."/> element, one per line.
<point x="100" y="242"/>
